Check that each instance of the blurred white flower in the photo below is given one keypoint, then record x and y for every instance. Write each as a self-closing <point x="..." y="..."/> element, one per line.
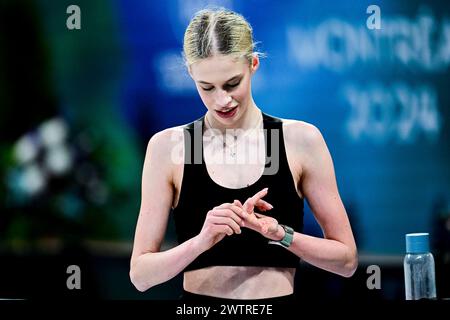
<point x="26" y="149"/>
<point x="58" y="160"/>
<point x="53" y="132"/>
<point x="32" y="180"/>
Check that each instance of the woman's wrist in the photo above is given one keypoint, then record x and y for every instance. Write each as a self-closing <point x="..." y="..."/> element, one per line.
<point x="279" y="234"/>
<point x="287" y="238"/>
<point x="197" y="245"/>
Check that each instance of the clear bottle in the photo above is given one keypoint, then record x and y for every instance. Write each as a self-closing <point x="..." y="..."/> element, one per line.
<point x="418" y="266"/>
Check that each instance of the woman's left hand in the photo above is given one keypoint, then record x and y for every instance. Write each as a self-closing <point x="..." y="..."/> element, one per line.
<point x="265" y="225"/>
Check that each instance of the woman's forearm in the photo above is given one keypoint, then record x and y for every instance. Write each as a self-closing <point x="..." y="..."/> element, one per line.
<point x="151" y="269"/>
<point x="327" y="254"/>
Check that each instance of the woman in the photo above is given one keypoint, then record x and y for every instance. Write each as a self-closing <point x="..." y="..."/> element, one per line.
<point x="237" y="187"/>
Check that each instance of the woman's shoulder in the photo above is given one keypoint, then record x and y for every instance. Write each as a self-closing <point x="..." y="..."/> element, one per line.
<point x="166" y="137"/>
<point x="171" y="131"/>
<point x="166" y="144"/>
<point x="301" y="132"/>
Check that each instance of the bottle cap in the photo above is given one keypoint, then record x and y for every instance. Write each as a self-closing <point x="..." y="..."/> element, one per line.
<point x="417" y="243"/>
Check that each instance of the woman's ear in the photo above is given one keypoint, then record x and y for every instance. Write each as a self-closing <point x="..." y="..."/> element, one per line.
<point x="255" y="63"/>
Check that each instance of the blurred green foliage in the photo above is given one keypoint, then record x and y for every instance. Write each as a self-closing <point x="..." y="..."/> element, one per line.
<point x="50" y="71"/>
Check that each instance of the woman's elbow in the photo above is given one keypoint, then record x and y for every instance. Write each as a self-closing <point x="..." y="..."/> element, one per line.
<point x="137" y="281"/>
<point x="351" y="265"/>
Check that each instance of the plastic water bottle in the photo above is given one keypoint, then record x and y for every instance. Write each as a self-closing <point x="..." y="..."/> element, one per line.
<point x="418" y="266"/>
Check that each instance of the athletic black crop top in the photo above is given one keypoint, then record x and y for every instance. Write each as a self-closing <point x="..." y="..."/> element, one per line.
<point x="199" y="194"/>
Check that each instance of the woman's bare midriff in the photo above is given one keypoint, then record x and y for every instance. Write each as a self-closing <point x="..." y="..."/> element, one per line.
<point x="240" y="282"/>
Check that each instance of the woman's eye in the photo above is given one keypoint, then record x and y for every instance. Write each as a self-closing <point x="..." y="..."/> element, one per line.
<point x="226" y="86"/>
<point x="234" y="84"/>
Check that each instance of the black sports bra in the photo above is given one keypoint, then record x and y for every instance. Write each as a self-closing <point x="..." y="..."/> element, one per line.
<point x="199" y="194"/>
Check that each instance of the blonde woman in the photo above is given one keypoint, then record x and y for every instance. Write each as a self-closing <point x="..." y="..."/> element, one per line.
<point x="238" y="185"/>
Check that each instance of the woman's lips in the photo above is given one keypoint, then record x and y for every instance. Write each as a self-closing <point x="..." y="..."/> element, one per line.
<point x="230" y="113"/>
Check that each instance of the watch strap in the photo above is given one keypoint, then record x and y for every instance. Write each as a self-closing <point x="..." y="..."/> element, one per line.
<point x="287" y="239"/>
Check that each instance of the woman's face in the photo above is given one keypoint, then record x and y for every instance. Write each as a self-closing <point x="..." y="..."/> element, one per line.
<point x="224" y="85"/>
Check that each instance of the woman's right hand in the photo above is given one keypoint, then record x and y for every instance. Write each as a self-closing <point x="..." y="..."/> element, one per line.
<point x="220" y="221"/>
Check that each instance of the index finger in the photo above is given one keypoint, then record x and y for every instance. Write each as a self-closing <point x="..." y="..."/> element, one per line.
<point x="258" y="196"/>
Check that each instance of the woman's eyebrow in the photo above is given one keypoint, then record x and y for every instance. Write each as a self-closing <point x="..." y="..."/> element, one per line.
<point x="236" y="76"/>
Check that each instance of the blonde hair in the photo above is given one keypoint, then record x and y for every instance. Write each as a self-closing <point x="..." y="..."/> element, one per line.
<point x="218" y="31"/>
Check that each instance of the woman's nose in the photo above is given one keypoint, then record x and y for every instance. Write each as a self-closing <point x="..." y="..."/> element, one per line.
<point x="223" y="99"/>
